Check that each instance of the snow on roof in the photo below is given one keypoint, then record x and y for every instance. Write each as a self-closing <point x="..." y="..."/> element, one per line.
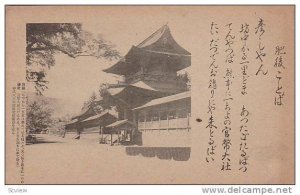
<point x="114" y="91"/>
<point x="143" y="85"/>
<point x="118" y="123"/>
<point x="153" y="38"/>
<point x="161" y="43"/>
<point x="97" y="116"/>
<point x="166" y="99"/>
<point x="72" y="121"/>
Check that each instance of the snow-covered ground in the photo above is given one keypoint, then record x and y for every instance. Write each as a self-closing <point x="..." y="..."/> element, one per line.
<point x="57" y="160"/>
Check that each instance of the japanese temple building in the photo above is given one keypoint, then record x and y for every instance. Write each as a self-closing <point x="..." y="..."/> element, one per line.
<point x="165" y="121"/>
<point x="154" y="103"/>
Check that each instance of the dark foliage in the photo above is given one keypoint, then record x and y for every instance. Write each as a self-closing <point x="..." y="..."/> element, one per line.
<point x="44" y="40"/>
<point x="39" y="116"/>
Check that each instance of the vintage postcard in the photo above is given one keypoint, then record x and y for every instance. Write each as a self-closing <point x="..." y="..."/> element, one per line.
<point x="150" y="94"/>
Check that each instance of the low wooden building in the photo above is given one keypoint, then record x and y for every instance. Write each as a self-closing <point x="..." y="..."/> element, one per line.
<point x="91" y="126"/>
<point x="124" y="130"/>
<point x="165" y="121"/>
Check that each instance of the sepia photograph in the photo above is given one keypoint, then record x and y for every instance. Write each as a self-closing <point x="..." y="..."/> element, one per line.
<point x="150" y="94"/>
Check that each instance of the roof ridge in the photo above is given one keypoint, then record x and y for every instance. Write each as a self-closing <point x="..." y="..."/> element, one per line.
<point x="164" y="27"/>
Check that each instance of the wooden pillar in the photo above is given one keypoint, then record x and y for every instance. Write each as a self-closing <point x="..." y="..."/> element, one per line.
<point x="145" y="116"/>
<point x="111" y="140"/>
<point x="168" y="120"/>
<point x="159" y="122"/>
<point x="65" y="131"/>
<point x="188" y="121"/>
<point x="176" y="117"/>
<point x="130" y="135"/>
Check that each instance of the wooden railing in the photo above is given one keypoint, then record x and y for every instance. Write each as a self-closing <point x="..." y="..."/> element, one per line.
<point x="178" y="123"/>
